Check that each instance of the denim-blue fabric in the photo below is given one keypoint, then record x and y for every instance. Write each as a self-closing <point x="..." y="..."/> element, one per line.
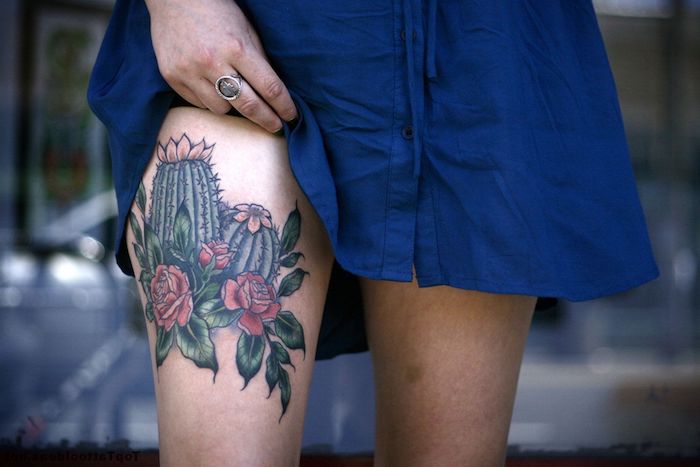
<point x="479" y="142"/>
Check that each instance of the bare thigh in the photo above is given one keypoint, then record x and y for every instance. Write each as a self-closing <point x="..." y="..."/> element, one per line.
<point x="446" y="365"/>
<point x="232" y="266"/>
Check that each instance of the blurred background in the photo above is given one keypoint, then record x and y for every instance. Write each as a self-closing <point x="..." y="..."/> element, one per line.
<point x="618" y="375"/>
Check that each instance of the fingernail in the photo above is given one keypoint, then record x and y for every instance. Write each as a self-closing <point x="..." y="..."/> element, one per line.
<point x="293" y="122"/>
<point x="279" y="132"/>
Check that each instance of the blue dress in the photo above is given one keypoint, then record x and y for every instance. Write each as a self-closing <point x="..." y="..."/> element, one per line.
<point x="480" y="141"/>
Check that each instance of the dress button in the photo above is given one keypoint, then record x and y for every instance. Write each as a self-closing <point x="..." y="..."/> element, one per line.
<point x="407" y="132"/>
<point x="403" y="35"/>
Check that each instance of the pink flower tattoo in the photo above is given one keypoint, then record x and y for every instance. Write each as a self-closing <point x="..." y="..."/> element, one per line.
<point x="216" y="251"/>
<point x="171" y="295"/>
<point x="257" y="299"/>
<point x="255" y="214"/>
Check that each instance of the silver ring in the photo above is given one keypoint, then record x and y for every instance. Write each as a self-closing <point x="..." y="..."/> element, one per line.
<point x="229" y="86"/>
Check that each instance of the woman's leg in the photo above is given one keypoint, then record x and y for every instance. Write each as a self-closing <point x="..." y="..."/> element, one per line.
<point x="232" y="266"/>
<point x="446" y="365"/>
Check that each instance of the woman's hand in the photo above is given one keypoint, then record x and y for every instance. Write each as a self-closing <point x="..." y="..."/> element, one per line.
<point x="198" y="41"/>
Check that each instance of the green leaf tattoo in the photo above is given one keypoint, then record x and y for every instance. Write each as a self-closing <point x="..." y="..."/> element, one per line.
<point x="141" y="198"/>
<point x="149" y="313"/>
<point x="285" y="390"/>
<point x="249" y="355"/>
<point x="290" y="232"/>
<point x="154" y="253"/>
<point x="181" y="231"/>
<point x="291" y="282"/>
<point x="164" y="340"/>
<point x="216" y="315"/>
<point x="135" y="227"/>
<point x="291" y="259"/>
<point x="281" y="353"/>
<point x="289" y="330"/>
<point x="195" y="343"/>
<point x="272" y="373"/>
<point x="207" y="265"/>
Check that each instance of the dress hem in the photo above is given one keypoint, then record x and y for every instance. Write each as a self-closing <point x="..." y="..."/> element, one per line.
<point x="610" y="286"/>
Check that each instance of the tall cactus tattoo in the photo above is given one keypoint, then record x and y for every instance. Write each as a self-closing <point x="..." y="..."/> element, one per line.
<point x="184" y="178"/>
<point x="206" y="265"/>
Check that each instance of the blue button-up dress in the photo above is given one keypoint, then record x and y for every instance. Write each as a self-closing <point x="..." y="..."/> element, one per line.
<point x="479" y="143"/>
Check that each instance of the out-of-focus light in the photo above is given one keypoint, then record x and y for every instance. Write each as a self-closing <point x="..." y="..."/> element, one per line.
<point x="634" y="8"/>
<point x="70" y="270"/>
<point x="602" y="360"/>
<point x="64" y="269"/>
<point x="18" y="268"/>
<point x="684" y="269"/>
<point x="91" y="248"/>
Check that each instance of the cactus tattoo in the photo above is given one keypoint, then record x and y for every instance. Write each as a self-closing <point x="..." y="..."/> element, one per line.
<point x="184" y="178"/>
<point x="207" y="265"/>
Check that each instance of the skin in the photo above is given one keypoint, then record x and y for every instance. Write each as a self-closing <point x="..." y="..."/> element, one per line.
<point x="446" y="365"/>
<point x="446" y="360"/>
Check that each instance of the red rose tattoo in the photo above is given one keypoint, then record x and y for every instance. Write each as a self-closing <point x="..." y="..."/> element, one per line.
<point x="217" y="251"/>
<point x="172" y="297"/>
<point x="257" y="299"/>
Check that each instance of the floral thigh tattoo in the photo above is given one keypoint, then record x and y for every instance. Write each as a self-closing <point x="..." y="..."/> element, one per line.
<point x="206" y="264"/>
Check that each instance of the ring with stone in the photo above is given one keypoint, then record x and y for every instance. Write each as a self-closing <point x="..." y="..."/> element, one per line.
<point x="229" y="86"/>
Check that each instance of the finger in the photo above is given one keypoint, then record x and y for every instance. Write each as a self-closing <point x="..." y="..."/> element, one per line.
<point x="267" y="84"/>
<point x="211" y="100"/>
<point x="251" y="106"/>
<point x="257" y="43"/>
<point x="189" y="95"/>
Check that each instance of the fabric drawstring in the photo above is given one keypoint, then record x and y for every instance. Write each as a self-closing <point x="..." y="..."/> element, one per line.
<point x="425" y="59"/>
<point x="430" y="39"/>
